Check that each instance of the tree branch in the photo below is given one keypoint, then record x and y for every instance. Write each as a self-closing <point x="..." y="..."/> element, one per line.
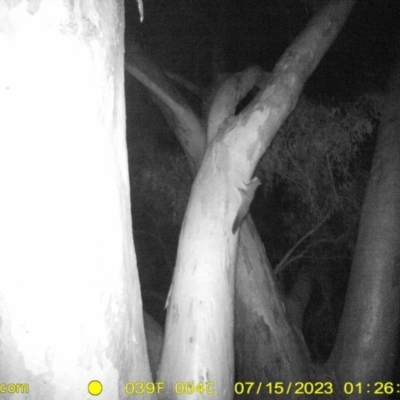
<point x="182" y="120"/>
<point x="283" y="263"/>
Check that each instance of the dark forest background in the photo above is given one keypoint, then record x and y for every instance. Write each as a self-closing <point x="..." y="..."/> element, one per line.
<point x="314" y="175"/>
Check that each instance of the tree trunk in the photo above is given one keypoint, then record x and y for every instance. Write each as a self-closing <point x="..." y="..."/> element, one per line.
<point x="198" y="344"/>
<point x="365" y="347"/>
<point x="266" y="342"/>
<point x="70" y="306"/>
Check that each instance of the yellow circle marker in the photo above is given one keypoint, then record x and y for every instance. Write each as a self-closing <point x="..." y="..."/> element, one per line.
<point x="95" y="388"/>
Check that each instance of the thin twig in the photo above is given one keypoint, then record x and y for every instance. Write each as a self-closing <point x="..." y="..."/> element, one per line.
<point x="191" y="87"/>
<point x="282" y="264"/>
<point x="331" y="176"/>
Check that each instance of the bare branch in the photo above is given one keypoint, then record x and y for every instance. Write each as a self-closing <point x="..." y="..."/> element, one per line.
<point x="331" y="176"/>
<point x="177" y="111"/>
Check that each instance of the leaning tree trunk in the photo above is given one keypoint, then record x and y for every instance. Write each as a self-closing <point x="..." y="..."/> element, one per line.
<point x="198" y="345"/>
<point x="365" y="348"/>
<point x="70" y="307"/>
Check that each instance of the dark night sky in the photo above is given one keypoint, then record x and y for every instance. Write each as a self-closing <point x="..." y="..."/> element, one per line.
<point x="178" y="33"/>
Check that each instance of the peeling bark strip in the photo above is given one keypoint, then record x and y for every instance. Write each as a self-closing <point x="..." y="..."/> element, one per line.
<point x="141" y="11"/>
<point x="232" y="90"/>
<point x="247" y="195"/>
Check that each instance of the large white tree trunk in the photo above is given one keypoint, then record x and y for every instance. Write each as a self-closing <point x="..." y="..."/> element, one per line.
<point x="70" y="308"/>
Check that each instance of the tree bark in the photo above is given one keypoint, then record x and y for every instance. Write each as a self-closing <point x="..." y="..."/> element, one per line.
<point x="365" y="348"/>
<point x="70" y="306"/>
<point x="267" y="344"/>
